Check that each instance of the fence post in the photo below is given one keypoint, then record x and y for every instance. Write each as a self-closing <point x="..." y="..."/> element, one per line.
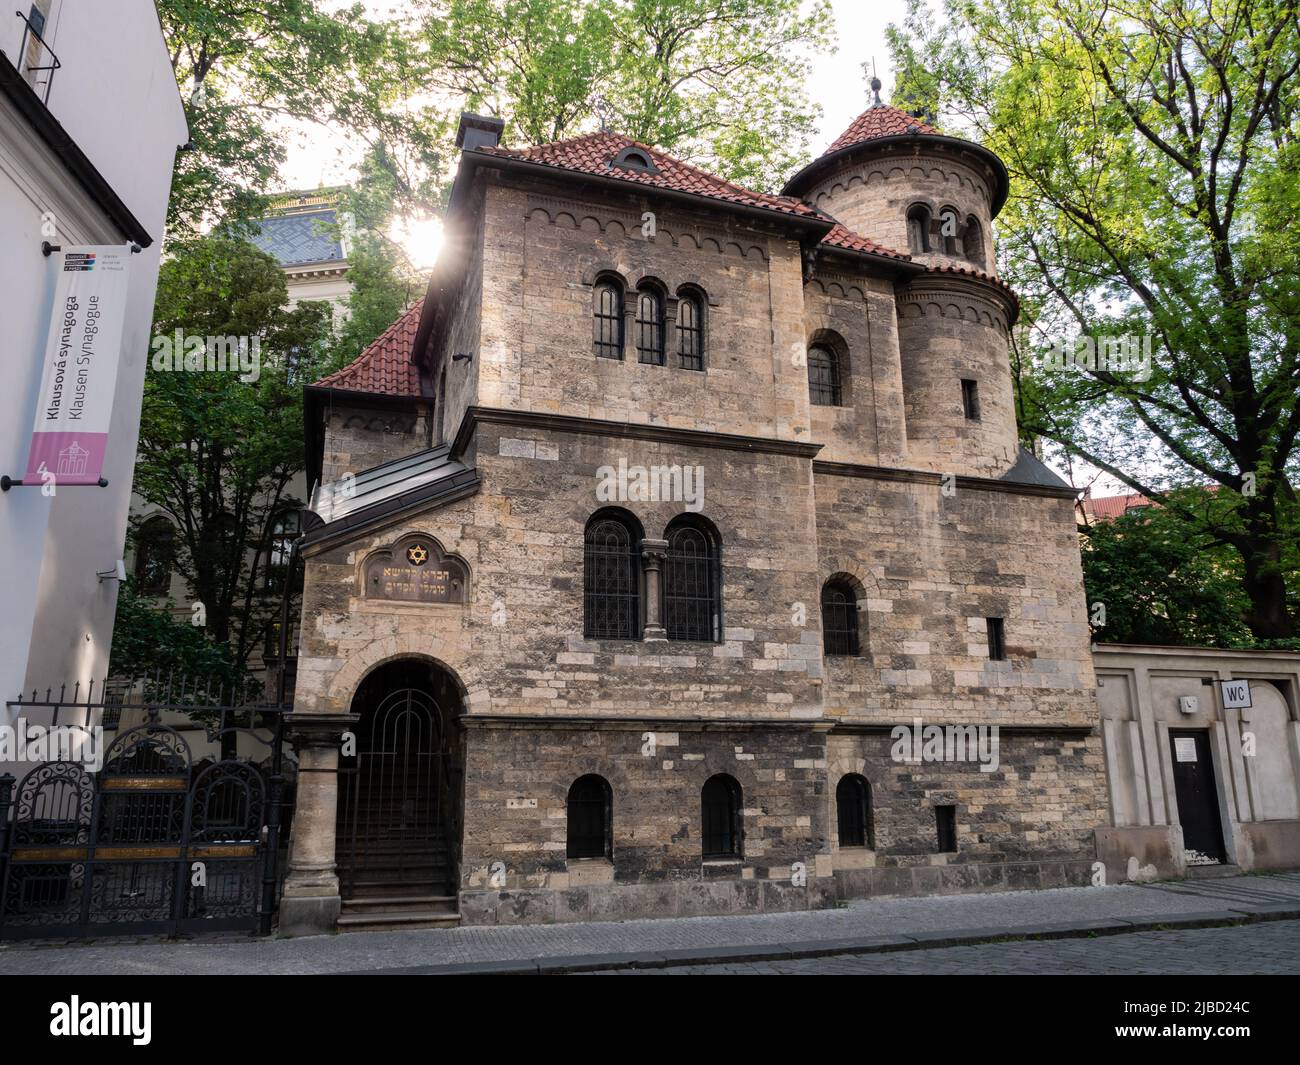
<point x="271" y="857"/>
<point x="7" y="782"/>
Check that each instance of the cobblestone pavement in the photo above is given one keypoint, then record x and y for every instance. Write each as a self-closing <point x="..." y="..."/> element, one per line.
<point x="1272" y="948"/>
<point x="362" y="951"/>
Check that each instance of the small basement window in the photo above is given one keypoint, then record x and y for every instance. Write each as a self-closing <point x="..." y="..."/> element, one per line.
<point x="946" y="821"/>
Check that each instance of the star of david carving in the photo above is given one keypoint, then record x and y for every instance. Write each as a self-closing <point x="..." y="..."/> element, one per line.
<point x="417" y="554"/>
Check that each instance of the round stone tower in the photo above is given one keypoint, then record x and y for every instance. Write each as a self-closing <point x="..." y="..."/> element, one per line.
<point x="897" y="180"/>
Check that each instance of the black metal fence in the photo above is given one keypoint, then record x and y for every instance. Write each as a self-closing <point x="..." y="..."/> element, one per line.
<point x="134" y="834"/>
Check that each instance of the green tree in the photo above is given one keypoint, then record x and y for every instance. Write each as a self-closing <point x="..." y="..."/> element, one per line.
<point x="1161" y="582"/>
<point x="1154" y="160"/>
<point x="246" y="66"/>
<point x="720" y="83"/>
<point x="217" y="453"/>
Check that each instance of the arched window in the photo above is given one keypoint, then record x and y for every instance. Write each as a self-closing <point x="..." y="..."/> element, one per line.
<point x="590" y="809"/>
<point x="839" y="619"/>
<point x="692" y="583"/>
<point x="722" y="830"/>
<point x="283" y="533"/>
<point x="611" y="577"/>
<point x="607" y="321"/>
<point x="690" y="332"/>
<point x="155" y="555"/>
<point x="650" y="327"/>
<point x="948" y="218"/>
<point x="824" y="377"/>
<point x="853" y="811"/>
<point x="973" y="241"/>
<point x="918" y="229"/>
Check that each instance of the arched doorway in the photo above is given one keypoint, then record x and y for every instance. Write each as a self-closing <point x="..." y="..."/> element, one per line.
<point x="401" y="789"/>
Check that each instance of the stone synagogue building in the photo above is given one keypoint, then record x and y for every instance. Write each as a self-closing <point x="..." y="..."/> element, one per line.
<point x="637" y="537"/>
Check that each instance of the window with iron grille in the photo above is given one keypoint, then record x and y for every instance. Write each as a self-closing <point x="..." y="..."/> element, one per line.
<point x="590" y="809"/>
<point x="946" y="822"/>
<point x="823" y="377"/>
<point x="997" y="638"/>
<point x="839" y="619"/>
<point x="690" y="333"/>
<point x="692" y="585"/>
<point x="970" y="400"/>
<point x="853" y="811"/>
<point x="650" y="327"/>
<point x="607" y="321"/>
<point x="611" y="579"/>
<point x="722" y="834"/>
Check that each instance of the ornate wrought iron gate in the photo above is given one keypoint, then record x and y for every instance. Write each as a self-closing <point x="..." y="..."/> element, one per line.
<point x="396" y="801"/>
<point x="151" y="842"/>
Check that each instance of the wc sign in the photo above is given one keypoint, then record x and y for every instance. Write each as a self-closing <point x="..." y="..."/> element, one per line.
<point x="1236" y="694"/>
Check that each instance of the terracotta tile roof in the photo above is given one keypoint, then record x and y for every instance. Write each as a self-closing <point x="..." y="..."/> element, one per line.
<point x="842" y="237"/>
<point x="881" y="121"/>
<point x="593" y="154"/>
<point x="971" y="272"/>
<point x="1107" y="508"/>
<point x="385" y="367"/>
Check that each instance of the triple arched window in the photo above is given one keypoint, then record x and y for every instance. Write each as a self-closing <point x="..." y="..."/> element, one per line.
<point x="658" y="321"/>
<point x="945" y="232"/>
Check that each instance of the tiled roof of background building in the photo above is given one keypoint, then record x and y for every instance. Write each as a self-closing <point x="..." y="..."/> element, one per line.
<point x="385" y="367"/>
<point x="595" y="152"/>
<point x="294" y="239"/>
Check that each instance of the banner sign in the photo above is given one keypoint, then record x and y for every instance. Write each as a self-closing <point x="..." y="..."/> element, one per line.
<point x="70" y="434"/>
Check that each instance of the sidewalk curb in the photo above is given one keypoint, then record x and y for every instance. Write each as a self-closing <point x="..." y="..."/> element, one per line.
<point x="819" y="948"/>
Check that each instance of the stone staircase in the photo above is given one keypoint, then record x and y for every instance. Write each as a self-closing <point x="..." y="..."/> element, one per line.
<point x="395" y="868"/>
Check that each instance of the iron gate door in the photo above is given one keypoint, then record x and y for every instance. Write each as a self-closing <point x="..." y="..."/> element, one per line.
<point x="394" y="798"/>
<point x="1198" y="801"/>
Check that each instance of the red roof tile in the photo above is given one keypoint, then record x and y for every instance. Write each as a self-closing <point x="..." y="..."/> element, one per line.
<point x="977" y="274"/>
<point x="385" y="367"/>
<point x="594" y="153"/>
<point x="879" y="121"/>
<point x="842" y="237"/>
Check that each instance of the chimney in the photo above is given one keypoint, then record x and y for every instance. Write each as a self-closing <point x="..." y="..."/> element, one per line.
<point x="478" y="131"/>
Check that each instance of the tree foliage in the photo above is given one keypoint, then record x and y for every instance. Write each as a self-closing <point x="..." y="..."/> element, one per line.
<point x="1154" y="159"/>
<point x="217" y="453"/>
<point x="717" y="82"/>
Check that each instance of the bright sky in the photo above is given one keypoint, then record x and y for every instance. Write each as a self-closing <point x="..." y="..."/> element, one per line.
<point x="324" y="157"/>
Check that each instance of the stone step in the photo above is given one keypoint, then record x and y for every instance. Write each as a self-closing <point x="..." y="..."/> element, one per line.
<point x="382" y="889"/>
<point x="391" y="904"/>
<point x="387" y="922"/>
<point x="1207" y="872"/>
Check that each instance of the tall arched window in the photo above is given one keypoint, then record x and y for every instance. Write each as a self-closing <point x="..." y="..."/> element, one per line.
<point x="918" y="228"/>
<point x="590" y="810"/>
<point x="690" y="331"/>
<point x="612" y="577"/>
<point x="948" y="218"/>
<point x="824" y="377"/>
<point x="607" y="320"/>
<point x="853" y="812"/>
<point x="839" y="619"/>
<point x="692" y="583"/>
<point x="722" y="830"/>
<point x="155" y="555"/>
<point x="650" y="327"/>
<point x="973" y="241"/>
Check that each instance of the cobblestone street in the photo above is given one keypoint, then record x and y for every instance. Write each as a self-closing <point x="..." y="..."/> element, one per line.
<point x="1262" y="949"/>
